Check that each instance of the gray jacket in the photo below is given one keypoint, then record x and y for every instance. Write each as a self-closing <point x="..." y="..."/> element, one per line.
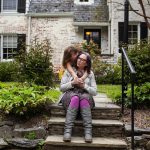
<point x="90" y="83"/>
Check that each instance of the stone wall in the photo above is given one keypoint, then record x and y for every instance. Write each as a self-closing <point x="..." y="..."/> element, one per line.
<point x="15" y="23"/>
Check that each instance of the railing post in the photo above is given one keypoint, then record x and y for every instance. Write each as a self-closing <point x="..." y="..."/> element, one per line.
<point x="122" y="78"/>
<point x="132" y="111"/>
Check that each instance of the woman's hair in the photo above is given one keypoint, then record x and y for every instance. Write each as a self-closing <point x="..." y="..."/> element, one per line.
<point x="68" y="54"/>
<point x="88" y="61"/>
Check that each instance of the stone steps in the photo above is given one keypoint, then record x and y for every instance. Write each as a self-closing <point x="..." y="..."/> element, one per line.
<point x="101" y="111"/>
<point x="101" y="128"/>
<point x="108" y="131"/>
<point x="77" y="143"/>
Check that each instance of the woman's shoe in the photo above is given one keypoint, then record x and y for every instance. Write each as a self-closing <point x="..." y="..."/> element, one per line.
<point x="88" y="138"/>
<point x="67" y="137"/>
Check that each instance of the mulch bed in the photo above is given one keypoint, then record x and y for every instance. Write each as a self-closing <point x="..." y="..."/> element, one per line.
<point x="142" y="118"/>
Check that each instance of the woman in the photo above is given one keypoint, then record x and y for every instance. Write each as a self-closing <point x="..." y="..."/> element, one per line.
<point x="78" y="95"/>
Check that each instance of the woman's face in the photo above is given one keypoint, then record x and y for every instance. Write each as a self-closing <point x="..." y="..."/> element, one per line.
<point x="82" y="61"/>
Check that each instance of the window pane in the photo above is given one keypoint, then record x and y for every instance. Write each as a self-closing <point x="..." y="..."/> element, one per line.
<point x="134" y="28"/>
<point x="94" y="35"/>
<point x="133" y="34"/>
<point x="9" y="5"/>
<point x="9" y="46"/>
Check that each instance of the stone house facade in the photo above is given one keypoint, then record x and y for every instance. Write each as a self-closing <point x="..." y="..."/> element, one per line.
<point x="66" y="22"/>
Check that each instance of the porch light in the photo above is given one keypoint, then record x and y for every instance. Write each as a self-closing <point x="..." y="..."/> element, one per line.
<point x="88" y="37"/>
<point x="88" y="33"/>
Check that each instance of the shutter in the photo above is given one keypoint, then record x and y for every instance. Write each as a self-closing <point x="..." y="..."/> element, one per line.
<point x="21" y="43"/>
<point x="144" y="31"/>
<point x="121" y="31"/>
<point x="0" y="6"/>
<point x="21" y="6"/>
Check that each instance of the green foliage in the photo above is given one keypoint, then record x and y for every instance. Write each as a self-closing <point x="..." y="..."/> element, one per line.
<point x="91" y="48"/>
<point x="139" y="56"/>
<point x="36" y="65"/>
<point x="22" y="99"/>
<point x="108" y="73"/>
<point x="40" y="145"/>
<point x="8" y="71"/>
<point x="104" y="73"/>
<point x="142" y="95"/>
<point x="30" y="135"/>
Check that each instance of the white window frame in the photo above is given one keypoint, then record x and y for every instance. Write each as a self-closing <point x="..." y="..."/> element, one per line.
<point x="1" y="48"/>
<point x="78" y="2"/>
<point x="8" y="11"/>
<point x="138" y="31"/>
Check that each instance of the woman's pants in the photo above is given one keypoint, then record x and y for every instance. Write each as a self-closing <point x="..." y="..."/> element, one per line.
<point x="74" y="106"/>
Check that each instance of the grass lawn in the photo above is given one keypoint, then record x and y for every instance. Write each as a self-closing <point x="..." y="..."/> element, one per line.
<point x="112" y="91"/>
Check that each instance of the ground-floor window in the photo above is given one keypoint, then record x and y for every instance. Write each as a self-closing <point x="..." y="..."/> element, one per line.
<point x="94" y="35"/>
<point x="136" y="32"/>
<point x="10" y="45"/>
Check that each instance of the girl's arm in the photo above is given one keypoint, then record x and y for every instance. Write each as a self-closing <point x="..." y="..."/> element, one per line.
<point x="71" y="71"/>
<point x="84" y="76"/>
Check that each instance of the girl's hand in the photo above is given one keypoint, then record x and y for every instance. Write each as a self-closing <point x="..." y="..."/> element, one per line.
<point x="80" y="80"/>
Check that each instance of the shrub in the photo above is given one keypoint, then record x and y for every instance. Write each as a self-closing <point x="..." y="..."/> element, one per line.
<point x="104" y="73"/>
<point x="139" y="56"/>
<point x="8" y="71"/>
<point x="36" y="65"/>
<point x="23" y="99"/>
<point x="142" y="95"/>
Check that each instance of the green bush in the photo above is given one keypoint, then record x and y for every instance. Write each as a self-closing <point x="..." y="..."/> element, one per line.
<point x="139" y="56"/>
<point x="142" y="95"/>
<point x="104" y="73"/>
<point x="36" y="65"/>
<point x="22" y="99"/>
<point x="8" y="71"/>
<point x="108" y="74"/>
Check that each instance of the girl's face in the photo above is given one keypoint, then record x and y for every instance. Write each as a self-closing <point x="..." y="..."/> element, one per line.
<point x="74" y="56"/>
<point x="82" y="61"/>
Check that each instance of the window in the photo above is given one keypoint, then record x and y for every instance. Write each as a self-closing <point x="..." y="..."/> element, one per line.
<point x="84" y="2"/>
<point x="136" y="32"/>
<point x="12" y="6"/>
<point x="10" y="44"/>
<point x="94" y="35"/>
<point x="9" y="5"/>
<point x="132" y="34"/>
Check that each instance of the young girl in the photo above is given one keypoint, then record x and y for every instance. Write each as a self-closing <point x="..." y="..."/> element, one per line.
<point x="69" y="58"/>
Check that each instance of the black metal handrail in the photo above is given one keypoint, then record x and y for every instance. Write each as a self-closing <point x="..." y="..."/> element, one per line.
<point x="132" y="72"/>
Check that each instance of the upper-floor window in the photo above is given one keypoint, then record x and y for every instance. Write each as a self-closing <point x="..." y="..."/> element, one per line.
<point x="12" y="6"/>
<point x="84" y="2"/>
<point x="10" y="44"/>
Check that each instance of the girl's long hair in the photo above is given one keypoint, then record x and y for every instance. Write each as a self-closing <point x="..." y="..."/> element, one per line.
<point x="68" y="54"/>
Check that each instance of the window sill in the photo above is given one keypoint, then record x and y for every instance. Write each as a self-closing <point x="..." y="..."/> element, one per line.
<point x="12" y="14"/>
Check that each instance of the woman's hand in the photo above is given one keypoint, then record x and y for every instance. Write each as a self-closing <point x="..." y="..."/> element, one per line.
<point x="78" y="81"/>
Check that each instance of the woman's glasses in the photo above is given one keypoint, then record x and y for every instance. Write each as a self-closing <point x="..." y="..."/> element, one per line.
<point x="82" y="59"/>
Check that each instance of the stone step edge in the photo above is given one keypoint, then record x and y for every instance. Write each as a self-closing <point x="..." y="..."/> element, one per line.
<point x="95" y="122"/>
<point x="79" y="141"/>
<point x="56" y="106"/>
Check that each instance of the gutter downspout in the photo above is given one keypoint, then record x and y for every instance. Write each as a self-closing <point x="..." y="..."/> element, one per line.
<point x="29" y="33"/>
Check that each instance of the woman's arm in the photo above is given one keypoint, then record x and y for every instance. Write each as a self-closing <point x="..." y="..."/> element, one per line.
<point x="84" y="76"/>
<point x="92" y="88"/>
